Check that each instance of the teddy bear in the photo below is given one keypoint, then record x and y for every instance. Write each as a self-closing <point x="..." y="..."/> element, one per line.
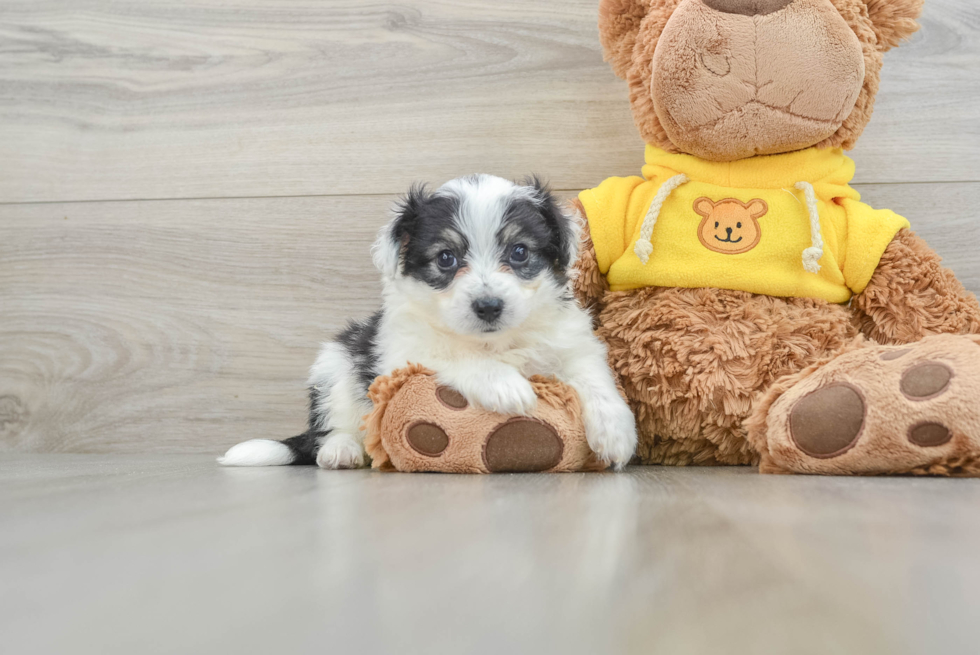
<point x="755" y="310"/>
<point x="419" y="425"/>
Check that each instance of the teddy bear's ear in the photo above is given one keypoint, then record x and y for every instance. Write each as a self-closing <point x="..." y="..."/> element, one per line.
<point x="758" y="208"/>
<point x="619" y="23"/>
<point x="704" y="207"/>
<point x="893" y="20"/>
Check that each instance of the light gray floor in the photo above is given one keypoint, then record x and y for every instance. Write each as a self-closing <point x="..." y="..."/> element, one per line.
<point x="168" y="554"/>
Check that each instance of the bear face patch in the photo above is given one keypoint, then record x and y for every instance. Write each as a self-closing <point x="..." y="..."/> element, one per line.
<point x="730" y="226"/>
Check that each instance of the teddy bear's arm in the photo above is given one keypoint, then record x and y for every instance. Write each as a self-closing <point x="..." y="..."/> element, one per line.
<point x="588" y="283"/>
<point x="911" y="295"/>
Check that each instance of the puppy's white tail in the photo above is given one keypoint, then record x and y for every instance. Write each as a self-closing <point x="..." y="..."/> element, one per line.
<point x="300" y="449"/>
<point x="259" y="452"/>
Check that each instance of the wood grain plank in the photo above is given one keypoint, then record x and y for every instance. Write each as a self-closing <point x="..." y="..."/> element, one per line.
<point x="943" y="215"/>
<point x="166" y="325"/>
<point x="926" y="126"/>
<point x="183" y="326"/>
<point x="242" y="98"/>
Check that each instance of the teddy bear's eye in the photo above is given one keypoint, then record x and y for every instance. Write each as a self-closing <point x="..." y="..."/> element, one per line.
<point x="716" y="223"/>
<point x="738" y="225"/>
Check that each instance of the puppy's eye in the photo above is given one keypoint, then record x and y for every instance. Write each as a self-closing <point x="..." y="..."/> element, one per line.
<point x="446" y="260"/>
<point x="519" y="253"/>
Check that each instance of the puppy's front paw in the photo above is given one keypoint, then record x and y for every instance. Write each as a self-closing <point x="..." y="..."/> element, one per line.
<point x="505" y="394"/>
<point x="610" y="429"/>
<point x="340" y="451"/>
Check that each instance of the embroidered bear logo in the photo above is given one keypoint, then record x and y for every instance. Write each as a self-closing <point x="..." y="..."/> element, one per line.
<point x="730" y="226"/>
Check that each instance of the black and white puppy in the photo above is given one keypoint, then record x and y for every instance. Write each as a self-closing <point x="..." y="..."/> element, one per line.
<point x="476" y="288"/>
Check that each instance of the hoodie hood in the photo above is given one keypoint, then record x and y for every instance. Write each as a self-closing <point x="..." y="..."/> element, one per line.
<point x="816" y="166"/>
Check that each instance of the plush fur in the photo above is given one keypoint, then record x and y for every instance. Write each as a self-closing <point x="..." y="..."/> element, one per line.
<point x="911" y="296"/>
<point x="410" y="397"/>
<point x="695" y="363"/>
<point x="476" y="288"/>
<point x="692" y="361"/>
<point x="728" y="86"/>
<point x="630" y="31"/>
<point x="713" y="374"/>
<point x="883" y="443"/>
<point x="893" y="20"/>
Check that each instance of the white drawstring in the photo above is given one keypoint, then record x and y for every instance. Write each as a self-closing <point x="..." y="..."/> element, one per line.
<point x="812" y="255"/>
<point x="643" y="247"/>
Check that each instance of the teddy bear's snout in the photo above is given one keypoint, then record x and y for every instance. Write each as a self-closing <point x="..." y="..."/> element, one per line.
<point x="748" y="7"/>
<point x="738" y="78"/>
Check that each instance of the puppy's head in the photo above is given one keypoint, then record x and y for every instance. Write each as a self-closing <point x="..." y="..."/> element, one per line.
<point x="479" y="255"/>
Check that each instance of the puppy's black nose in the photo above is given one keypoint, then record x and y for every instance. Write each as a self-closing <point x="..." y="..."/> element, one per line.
<point x="488" y="309"/>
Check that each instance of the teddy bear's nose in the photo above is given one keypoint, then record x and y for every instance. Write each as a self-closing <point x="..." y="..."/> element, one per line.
<point x="748" y="7"/>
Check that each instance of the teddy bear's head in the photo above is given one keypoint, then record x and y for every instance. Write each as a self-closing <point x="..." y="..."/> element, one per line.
<point x="729" y="79"/>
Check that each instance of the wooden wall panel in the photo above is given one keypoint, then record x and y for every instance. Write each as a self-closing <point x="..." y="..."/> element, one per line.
<point x="163" y="326"/>
<point x="142" y="99"/>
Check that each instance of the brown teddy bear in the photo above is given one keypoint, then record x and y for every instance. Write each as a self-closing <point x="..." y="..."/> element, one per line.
<point x="755" y="310"/>
<point x="419" y="425"/>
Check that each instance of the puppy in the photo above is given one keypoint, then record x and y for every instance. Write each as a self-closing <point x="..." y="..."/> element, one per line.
<point x="476" y="288"/>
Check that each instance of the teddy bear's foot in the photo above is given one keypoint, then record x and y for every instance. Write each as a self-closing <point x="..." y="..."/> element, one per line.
<point x="878" y="410"/>
<point x="423" y="426"/>
<point x="518" y="445"/>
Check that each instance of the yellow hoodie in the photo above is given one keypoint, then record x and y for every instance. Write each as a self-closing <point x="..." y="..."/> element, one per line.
<point x="780" y="225"/>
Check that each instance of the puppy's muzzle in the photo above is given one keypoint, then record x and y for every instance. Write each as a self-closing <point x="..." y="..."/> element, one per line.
<point x="488" y="310"/>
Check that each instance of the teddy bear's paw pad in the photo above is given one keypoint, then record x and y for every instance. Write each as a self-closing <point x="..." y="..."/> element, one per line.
<point x="427" y="439"/>
<point x="423" y="425"/>
<point x="926" y="380"/>
<point x="883" y="410"/>
<point x="890" y="355"/>
<point x="929" y="434"/>
<point x="522" y="445"/>
<point x="827" y="422"/>
<point x="451" y="398"/>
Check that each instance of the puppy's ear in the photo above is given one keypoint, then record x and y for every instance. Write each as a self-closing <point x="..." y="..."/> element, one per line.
<point x="563" y="223"/>
<point x="393" y="237"/>
<point x="893" y="20"/>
